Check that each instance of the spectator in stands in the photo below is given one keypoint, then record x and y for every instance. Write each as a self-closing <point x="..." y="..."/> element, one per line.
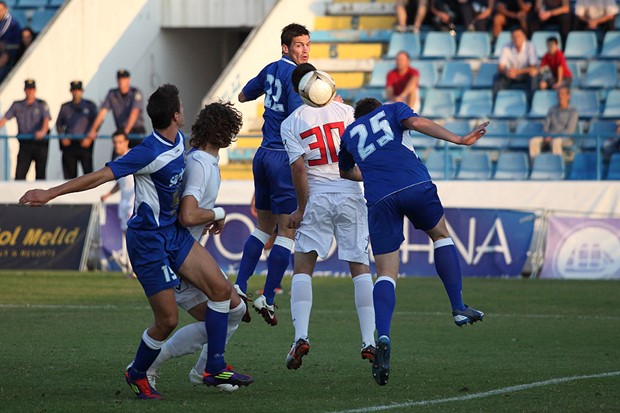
<point x="476" y="14"/>
<point x="402" y="83"/>
<point x="127" y="104"/>
<point x="74" y="119"/>
<point x="444" y="15"/>
<point x="553" y="68"/>
<point x="5" y="60"/>
<point x="33" y="117"/>
<point x="517" y="68"/>
<point x="554" y="13"/>
<point x="10" y="30"/>
<point x="561" y="118"/>
<point x="28" y="36"/>
<point x="410" y="14"/>
<point x="510" y="13"/>
<point x="594" y="14"/>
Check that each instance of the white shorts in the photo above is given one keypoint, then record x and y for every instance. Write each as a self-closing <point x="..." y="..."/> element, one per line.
<point x="341" y="215"/>
<point x="188" y="296"/>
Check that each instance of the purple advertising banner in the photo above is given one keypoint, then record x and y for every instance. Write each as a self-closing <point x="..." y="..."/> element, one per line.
<point x="111" y="238"/>
<point x="582" y="248"/>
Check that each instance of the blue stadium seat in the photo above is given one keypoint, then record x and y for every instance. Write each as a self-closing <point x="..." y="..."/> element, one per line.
<point x="379" y="73"/>
<point x="58" y="3"/>
<point x="512" y="166"/>
<point x="502" y="40"/>
<point x="419" y="140"/>
<point x="541" y="102"/>
<point x="510" y="104"/>
<point x="611" y="46"/>
<point x="598" y="128"/>
<point x="539" y="40"/>
<point x="581" y="45"/>
<point x="547" y="166"/>
<point x="20" y="16"/>
<point x="439" y="104"/>
<point x="428" y="72"/>
<point x="439" y="45"/>
<point x="497" y="136"/>
<point x="583" y="167"/>
<point x="436" y="164"/>
<point x="11" y="4"/>
<point x="340" y="36"/>
<point x="484" y="78"/>
<point x="586" y="102"/>
<point x="348" y="95"/>
<point x="526" y="129"/>
<point x="475" y="165"/>
<point x="459" y="127"/>
<point x="370" y="92"/>
<point x="41" y="18"/>
<point x="474" y="45"/>
<point x="456" y="75"/>
<point x="612" y="105"/>
<point x="614" y="167"/>
<point x="31" y="4"/>
<point x="476" y="104"/>
<point x="600" y="74"/>
<point x="409" y="42"/>
<point x="573" y="66"/>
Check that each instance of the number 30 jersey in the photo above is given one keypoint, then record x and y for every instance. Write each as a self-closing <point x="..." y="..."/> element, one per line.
<point x="314" y="133"/>
<point x="274" y="81"/>
<point x="381" y="146"/>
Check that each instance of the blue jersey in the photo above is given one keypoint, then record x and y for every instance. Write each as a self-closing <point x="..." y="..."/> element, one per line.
<point x="280" y="99"/>
<point x="380" y="145"/>
<point x="157" y="165"/>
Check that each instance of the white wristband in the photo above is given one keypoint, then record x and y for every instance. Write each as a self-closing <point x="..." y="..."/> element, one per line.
<point x="219" y="213"/>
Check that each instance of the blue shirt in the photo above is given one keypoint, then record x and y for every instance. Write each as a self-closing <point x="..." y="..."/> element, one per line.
<point x="381" y="146"/>
<point x="158" y="166"/>
<point x="122" y="105"/>
<point x="280" y="99"/>
<point x="76" y="119"/>
<point x="29" y="117"/>
<point x="10" y="30"/>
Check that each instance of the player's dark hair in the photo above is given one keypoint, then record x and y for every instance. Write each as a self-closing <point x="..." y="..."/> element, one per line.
<point x="299" y="72"/>
<point x="552" y="39"/>
<point x="162" y="106"/>
<point x="217" y="123"/>
<point x="120" y="132"/>
<point x="291" y="31"/>
<point x="365" y="106"/>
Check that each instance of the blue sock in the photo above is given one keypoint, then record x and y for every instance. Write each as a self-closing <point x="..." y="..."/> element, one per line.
<point x="251" y="254"/>
<point x="145" y="356"/>
<point x="449" y="270"/>
<point x="216" y="321"/>
<point x="384" y="300"/>
<point x="278" y="261"/>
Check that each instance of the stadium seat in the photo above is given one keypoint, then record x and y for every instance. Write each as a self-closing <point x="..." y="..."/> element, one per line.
<point x="58" y="3"/>
<point x="583" y="167"/>
<point x="600" y="74"/>
<point x="547" y="166"/>
<point x="484" y="78"/>
<point x="539" y="41"/>
<point x="409" y="42"/>
<point x="21" y="17"/>
<point x="456" y="75"/>
<point x="436" y="164"/>
<point x="475" y="165"/>
<point x="439" y="45"/>
<point x="612" y="105"/>
<point x="512" y="166"/>
<point x="474" y="45"/>
<point x="370" y="92"/>
<point x="40" y="18"/>
<point x="439" y="104"/>
<point x="379" y="73"/>
<point x="497" y="136"/>
<point x="611" y="46"/>
<point x="586" y="102"/>
<point x="345" y="36"/>
<point x="613" y="173"/>
<point x="476" y="104"/>
<point x="510" y="104"/>
<point x="420" y="141"/>
<point x="459" y="127"/>
<point x="573" y="66"/>
<point x="502" y="40"/>
<point x="31" y="4"/>
<point x="541" y="102"/>
<point x="602" y="129"/>
<point x="581" y="45"/>
<point x="526" y="129"/>
<point x="428" y="72"/>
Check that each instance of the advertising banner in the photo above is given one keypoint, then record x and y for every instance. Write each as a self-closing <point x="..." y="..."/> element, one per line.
<point x="111" y="238"/>
<point x="582" y="248"/>
<point x="50" y="237"/>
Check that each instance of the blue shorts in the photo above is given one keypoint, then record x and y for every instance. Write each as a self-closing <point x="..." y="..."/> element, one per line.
<point x="273" y="183"/>
<point x="419" y="203"/>
<point x="156" y="255"/>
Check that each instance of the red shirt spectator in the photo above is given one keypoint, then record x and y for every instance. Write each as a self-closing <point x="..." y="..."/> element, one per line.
<point x="398" y="82"/>
<point x="554" y="59"/>
<point x="403" y="82"/>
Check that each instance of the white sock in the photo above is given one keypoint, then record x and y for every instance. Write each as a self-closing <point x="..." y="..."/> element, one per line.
<point x="365" y="309"/>
<point x="301" y="304"/>
<point x="186" y="340"/>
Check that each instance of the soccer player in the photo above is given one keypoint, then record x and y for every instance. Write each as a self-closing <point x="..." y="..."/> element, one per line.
<point x="327" y="205"/>
<point x="159" y="247"/>
<point x="275" y="194"/>
<point x="375" y="149"/>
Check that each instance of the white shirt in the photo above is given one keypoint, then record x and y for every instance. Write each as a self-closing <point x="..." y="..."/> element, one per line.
<point x="128" y="195"/>
<point x="595" y="9"/>
<point x="202" y="181"/>
<point x="511" y="58"/>
<point x="314" y="133"/>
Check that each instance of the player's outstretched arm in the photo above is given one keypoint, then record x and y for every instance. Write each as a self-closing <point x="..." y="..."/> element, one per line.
<point x="430" y="128"/>
<point x="38" y="197"/>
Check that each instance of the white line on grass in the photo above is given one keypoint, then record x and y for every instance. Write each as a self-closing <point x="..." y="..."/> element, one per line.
<point x="489" y="393"/>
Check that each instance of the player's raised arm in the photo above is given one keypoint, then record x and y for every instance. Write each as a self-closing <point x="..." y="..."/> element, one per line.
<point x="38" y="197"/>
<point x="430" y="128"/>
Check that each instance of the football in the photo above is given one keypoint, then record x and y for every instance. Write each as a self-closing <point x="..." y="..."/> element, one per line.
<point x="317" y="88"/>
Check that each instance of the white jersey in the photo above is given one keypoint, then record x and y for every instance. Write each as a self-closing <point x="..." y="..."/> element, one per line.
<point x="314" y="133"/>
<point x="202" y="181"/>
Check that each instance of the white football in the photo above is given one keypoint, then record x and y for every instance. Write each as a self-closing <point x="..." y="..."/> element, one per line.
<point x="317" y="88"/>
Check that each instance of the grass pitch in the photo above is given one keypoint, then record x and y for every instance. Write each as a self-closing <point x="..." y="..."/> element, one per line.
<point x="65" y="339"/>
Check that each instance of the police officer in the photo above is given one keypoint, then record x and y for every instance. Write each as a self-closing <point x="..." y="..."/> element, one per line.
<point x="126" y="103"/>
<point x="74" y="119"/>
<point x="33" y="117"/>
